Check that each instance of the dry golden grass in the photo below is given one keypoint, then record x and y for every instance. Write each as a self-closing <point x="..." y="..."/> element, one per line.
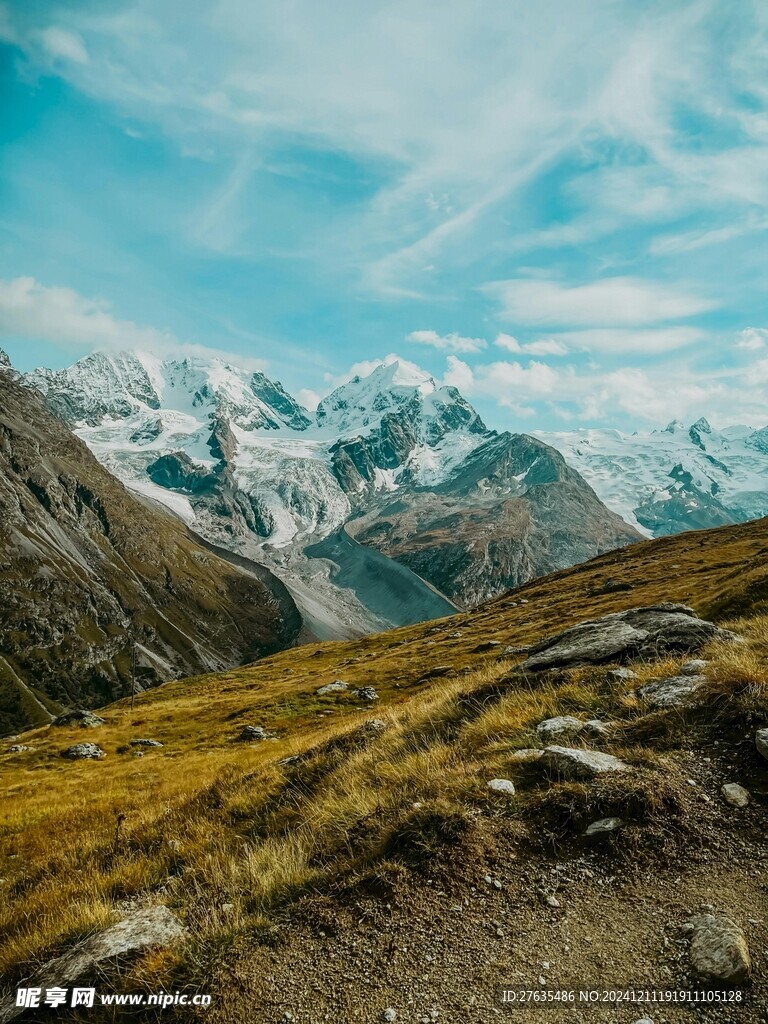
<point x="226" y="835"/>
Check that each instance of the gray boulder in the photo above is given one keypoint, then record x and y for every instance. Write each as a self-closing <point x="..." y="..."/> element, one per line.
<point x="564" y="726"/>
<point x="571" y="763"/>
<point x="761" y="742"/>
<point x="637" y="633"/>
<point x="675" y="691"/>
<point x="366" y="693"/>
<point x="253" y="734"/>
<point x="146" y="743"/>
<point x="80" y="717"/>
<point x="143" y="929"/>
<point x="338" y="686"/>
<point x="18" y="748"/>
<point x="83" y="751"/>
<point x="718" y="949"/>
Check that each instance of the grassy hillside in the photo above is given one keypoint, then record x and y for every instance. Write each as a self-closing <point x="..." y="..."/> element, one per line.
<point x="232" y="836"/>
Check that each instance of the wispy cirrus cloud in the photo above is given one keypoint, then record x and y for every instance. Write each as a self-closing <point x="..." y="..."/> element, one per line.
<point x="447" y="342"/>
<point x="610" y="302"/>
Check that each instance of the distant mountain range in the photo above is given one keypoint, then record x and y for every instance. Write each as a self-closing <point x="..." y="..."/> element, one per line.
<point x="390" y="461"/>
<point x="675" y="479"/>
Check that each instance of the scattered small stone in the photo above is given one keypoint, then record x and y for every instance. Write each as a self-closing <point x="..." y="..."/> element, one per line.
<point x="83" y="751"/>
<point x="81" y="717"/>
<point x="501" y="786"/>
<point x="366" y="693"/>
<point x="719" y="949"/>
<point x="488" y="645"/>
<point x="550" y="900"/>
<point x="18" y="748"/>
<point x="595" y="728"/>
<point x="694" y="667"/>
<point x="389" y="1014"/>
<point x="622" y="674"/>
<point x="735" y="795"/>
<point x="252" y="734"/>
<point x="374" y="725"/>
<point x="338" y="686"/>
<point x="563" y="726"/>
<point x="526" y="754"/>
<point x="761" y="742"/>
<point x="603" y="825"/>
<point x="137" y="753"/>
<point x="146" y="743"/>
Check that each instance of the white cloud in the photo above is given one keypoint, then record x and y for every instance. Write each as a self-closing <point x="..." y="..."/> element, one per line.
<point x="30" y="311"/>
<point x="308" y="398"/>
<point x="542" y="347"/>
<point x="752" y="338"/>
<point x="459" y="375"/>
<point x="447" y="342"/>
<point x="621" y="341"/>
<point x="546" y="347"/>
<point x="60" y="43"/>
<point x="610" y="302"/>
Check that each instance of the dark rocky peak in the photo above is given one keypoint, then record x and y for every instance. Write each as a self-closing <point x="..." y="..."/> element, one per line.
<point x="510" y="464"/>
<point x="274" y="395"/>
<point x="4" y="360"/>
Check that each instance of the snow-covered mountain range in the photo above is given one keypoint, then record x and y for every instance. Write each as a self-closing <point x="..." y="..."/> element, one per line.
<point x="675" y="479"/>
<point x="393" y="462"/>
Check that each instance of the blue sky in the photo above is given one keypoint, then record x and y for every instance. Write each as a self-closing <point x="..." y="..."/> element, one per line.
<point x="560" y="207"/>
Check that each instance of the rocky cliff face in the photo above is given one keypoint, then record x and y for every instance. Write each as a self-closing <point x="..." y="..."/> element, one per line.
<point x="94" y="578"/>
<point x="513" y="510"/>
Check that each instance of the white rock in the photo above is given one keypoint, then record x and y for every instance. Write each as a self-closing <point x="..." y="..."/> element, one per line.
<point x="603" y="825"/>
<point x="501" y="786"/>
<point x="734" y="794"/>
<point x="572" y="763"/>
<point x="389" y="1014"/>
<point x="761" y="742"/>
<point x="719" y="949"/>
<point x="154" y="926"/>
<point x="336" y="687"/>
<point x="563" y="726"/>
<point x="620" y="674"/>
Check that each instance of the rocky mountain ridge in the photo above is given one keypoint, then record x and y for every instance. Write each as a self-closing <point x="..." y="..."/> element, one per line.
<point x="103" y="587"/>
<point x="404" y="465"/>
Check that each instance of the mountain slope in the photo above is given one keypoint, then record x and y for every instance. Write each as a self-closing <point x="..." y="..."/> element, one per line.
<point x="346" y="841"/>
<point x="679" y="478"/>
<point x="93" y="578"/>
<point x="406" y="465"/>
<point x="511" y="511"/>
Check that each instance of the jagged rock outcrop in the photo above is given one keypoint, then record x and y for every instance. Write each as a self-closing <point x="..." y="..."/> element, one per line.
<point x="648" y="632"/>
<point x="90" y="573"/>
